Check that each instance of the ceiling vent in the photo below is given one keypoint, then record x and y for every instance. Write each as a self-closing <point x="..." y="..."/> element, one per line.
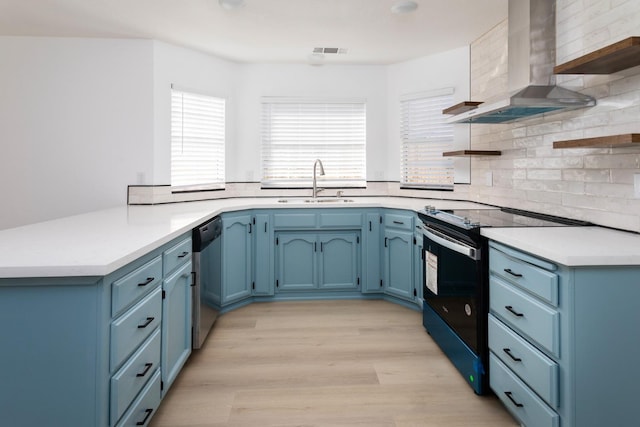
<point x="330" y="50"/>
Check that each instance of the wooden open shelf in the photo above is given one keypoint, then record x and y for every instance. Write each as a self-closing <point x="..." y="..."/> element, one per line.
<point x="471" y="153"/>
<point x="625" y="140"/>
<point x="462" y="107"/>
<point x="610" y="59"/>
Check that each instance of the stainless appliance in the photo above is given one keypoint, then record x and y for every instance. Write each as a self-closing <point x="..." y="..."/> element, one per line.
<point x="204" y="315"/>
<point x="456" y="288"/>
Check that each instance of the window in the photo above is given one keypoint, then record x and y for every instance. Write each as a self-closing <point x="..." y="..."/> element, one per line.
<point x="296" y="132"/>
<point x="425" y="136"/>
<point x="197" y="141"/>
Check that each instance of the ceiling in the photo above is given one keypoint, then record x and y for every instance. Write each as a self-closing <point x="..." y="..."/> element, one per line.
<point x="266" y="30"/>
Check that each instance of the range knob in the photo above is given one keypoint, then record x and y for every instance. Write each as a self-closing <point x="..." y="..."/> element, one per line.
<point x="430" y="208"/>
<point x="466" y="221"/>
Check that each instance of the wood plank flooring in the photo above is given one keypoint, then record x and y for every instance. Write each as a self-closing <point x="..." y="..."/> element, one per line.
<point x="323" y="363"/>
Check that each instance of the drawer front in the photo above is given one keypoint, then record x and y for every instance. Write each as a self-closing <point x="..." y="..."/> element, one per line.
<point x="127" y="290"/>
<point x="144" y="407"/>
<point x="525" y="314"/>
<point x="528" y="408"/>
<point x="340" y="220"/>
<point x="129" y="380"/>
<point x="534" y="368"/>
<point x="293" y="221"/>
<point x="536" y="280"/>
<point x="177" y="255"/>
<point x="404" y="222"/>
<point x="134" y="326"/>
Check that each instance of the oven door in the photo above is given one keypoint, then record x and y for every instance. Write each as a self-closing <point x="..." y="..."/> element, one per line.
<point x="451" y="283"/>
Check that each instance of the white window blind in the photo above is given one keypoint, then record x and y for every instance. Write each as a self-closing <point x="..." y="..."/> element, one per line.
<point x="425" y="136"/>
<point x="295" y="132"/>
<point x="197" y="141"/>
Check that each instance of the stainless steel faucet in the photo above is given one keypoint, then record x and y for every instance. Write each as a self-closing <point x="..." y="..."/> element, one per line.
<point x="316" y="190"/>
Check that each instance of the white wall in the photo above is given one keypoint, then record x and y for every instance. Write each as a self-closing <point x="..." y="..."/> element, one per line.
<point x="191" y="71"/>
<point x="257" y="80"/>
<point x="443" y="70"/>
<point x="76" y="120"/>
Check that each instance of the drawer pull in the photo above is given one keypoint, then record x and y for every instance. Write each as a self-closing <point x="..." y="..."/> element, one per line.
<point x="512" y="311"/>
<point x="147" y="366"/>
<point x="183" y="254"/>
<point x="146" y="282"/>
<point x="508" y="393"/>
<point x="147" y="323"/>
<point x="398" y="222"/>
<point x="508" y="351"/>
<point x="508" y="270"/>
<point x="146" y="417"/>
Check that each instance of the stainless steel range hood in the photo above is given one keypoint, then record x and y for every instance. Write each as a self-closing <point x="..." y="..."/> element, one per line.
<point x="532" y="51"/>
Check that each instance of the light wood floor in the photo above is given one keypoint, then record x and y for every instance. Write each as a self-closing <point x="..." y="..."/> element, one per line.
<point x="323" y="363"/>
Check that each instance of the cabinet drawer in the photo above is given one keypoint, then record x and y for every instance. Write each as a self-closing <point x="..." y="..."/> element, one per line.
<point x="293" y="221"/>
<point x="144" y="406"/>
<point x="177" y="255"/>
<point x="130" y="379"/>
<point x="404" y="222"/>
<point x="125" y="291"/>
<point x="340" y="220"/>
<point x="536" y="280"/>
<point x="525" y="314"/>
<point x="129" y="330"/>
<point x="518" y="398"/>
<point x="534" y="368"/>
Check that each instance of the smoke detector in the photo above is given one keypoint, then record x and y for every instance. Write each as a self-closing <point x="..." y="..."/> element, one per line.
<point x="330" y="50"/>
<point x="404" y="7"/>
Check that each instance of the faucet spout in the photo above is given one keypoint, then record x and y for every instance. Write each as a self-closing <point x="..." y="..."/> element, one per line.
<point x="315" y="187"/>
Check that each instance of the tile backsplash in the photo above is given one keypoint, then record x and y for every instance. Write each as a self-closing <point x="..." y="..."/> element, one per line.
<point x="594" y="184"/>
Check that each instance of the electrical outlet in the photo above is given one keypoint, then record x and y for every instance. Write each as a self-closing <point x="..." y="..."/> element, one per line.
<point x="636" y="185"/>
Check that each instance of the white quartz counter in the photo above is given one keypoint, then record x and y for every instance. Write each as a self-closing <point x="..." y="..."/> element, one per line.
<point x="572" y="246"/>
<point x="97" y="243"/>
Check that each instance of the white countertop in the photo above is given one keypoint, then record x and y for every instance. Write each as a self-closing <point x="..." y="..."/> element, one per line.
<point x="572" y="246"/>
<point x="97" y="243"/>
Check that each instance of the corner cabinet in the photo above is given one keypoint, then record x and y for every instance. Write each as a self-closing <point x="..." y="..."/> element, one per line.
<point x="398" y="255"/>
<point x="237" y="250"/>
<point x="111" y="342"/>
<point x="551" y="327"/>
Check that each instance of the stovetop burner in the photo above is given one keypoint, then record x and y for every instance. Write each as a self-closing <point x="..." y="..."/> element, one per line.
<point x="471" y="219"/>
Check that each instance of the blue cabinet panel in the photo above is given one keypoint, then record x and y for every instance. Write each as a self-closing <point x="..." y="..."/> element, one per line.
<point x="296" y="261"/>
<point x="398" y="249"/>
<point x="237" y="265"/>
<point x="338" y="260"/>
<point x="263" y="281"/>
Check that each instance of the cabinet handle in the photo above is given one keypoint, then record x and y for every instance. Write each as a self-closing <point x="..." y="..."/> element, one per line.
<point x="146" y="282"/>
<point x="146" y="417"/>
<point x="508" y="393"/>
<point x="147" y="366"/>
<point x="508" y="270"/>
<point x="249" y="228"/>
<point x="315" y="246"/>
<point x="321" y="246"/>
<point x="265" y="226"/>
<point x="512" y="311"/>
<point x="398" y="222"/>
<point x="508" y="351"/>
<point x="147" y="323"/>
<point x="385" y="242"/>
<point x="183" y="254"/>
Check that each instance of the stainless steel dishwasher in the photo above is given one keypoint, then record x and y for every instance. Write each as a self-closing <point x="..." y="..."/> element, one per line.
<point x="205" y="237"/>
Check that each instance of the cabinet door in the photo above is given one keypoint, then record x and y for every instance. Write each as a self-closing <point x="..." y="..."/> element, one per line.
<point x="263" y="282"/>
<point x="398" y="254"/>
<point x="176" y="323"/>
<point x="418" y="266"/>
<point x="372" y="254"/>
<point x="338" y="260"/>
<point x="296" y="261"/>
<point x="237" y="267"/>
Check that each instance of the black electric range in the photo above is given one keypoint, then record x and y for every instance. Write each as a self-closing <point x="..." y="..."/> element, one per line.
<point x="456" y="280"/>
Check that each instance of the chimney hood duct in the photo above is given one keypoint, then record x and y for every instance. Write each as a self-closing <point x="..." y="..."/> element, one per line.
<point x="532" y="52"/>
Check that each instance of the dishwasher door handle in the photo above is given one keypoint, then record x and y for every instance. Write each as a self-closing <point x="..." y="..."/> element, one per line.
<point x="449" y="243"/>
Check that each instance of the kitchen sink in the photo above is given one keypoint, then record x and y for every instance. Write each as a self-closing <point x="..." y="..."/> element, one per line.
<point x="318" y="200"/>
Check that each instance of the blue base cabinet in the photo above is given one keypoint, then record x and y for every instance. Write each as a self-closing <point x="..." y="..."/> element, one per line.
<point x="237" y="250"/>
<point x="398" y="255"/>
<point x="93" y="351"/>
<point x="562" y="340"/>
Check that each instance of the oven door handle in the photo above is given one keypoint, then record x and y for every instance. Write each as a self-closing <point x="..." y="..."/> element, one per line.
<point x="449" y="243"/>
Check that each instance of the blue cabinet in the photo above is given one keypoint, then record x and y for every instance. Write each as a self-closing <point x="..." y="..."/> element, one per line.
<point x="263" y="282"/>
<point x="237" y="264"/>
<point x="562" y="340"/>
<point x="398" y="263"/>
<point x="176" y="312"/>
<point x="309" y="260"/>
<point x="372" y="253"/>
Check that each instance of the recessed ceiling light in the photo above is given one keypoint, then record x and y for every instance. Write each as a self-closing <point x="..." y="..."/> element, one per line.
<point x="403" y="7"/>
<point x="231" y="4"/>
